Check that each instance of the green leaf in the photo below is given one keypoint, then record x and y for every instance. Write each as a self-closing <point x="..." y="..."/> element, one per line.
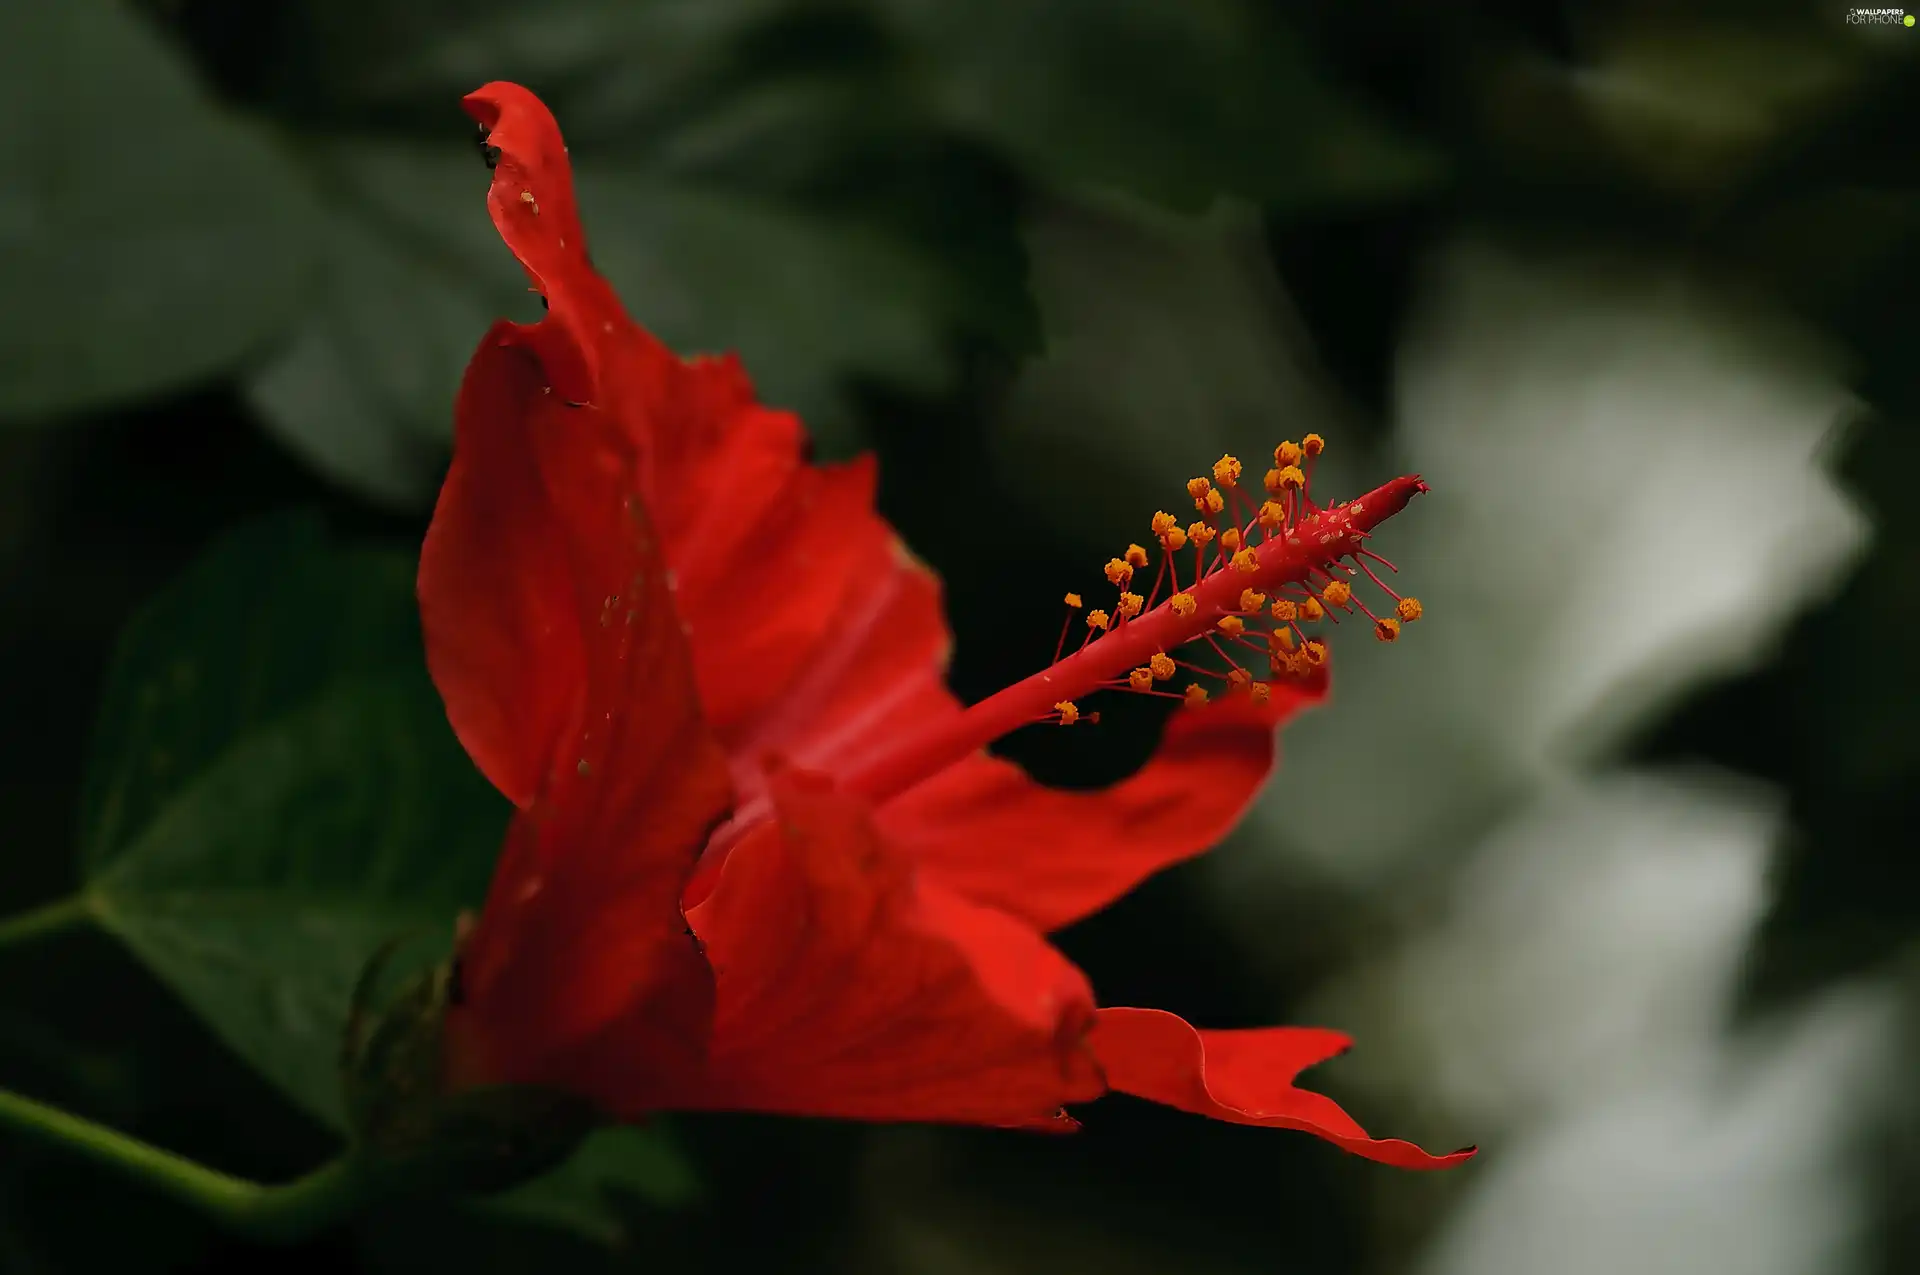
<point x="614" y="1169"/>
<point x="147" y="239"/>
<point x="255" y="628"/>
<point x="608" y="68"/>
<point x="808" y="300"/>
<point x="1169" y="340"/>
<point x="1696" y="106"/>
<point x="275" y="793"/>
<point x="416" y="274"/>
<point x="1177" y="101"/>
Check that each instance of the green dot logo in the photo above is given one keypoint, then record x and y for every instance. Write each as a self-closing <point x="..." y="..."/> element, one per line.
<point x="1908" y="19"/>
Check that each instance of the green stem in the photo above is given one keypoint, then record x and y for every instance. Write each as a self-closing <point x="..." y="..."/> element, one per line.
<point x="49" y="918"/>
<point x="268" y="1214"/>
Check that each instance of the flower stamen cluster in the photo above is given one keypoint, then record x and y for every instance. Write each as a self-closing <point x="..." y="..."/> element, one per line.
<point x="1235" y="537"/>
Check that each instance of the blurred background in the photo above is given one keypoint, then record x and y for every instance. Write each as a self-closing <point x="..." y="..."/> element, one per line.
<point x="1608" y="864"/>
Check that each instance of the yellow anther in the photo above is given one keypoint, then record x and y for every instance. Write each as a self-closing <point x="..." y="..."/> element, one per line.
<point x="1196" y="695"/>
<point x="1232" y="625"/>
<point x="1137" y="554"/>
<point x="1272" y="516"/>
<point x="1313" y="444"/>
<point x="1174" y="539"/>
<point x="1164" y="522"/>
<point x="1239" y="679"/>
<point x="1259" y="691"/>
<point x="1311" y="609"/>
<point x="1337" y="593"/>
<point x="1272" y="482"/>
<point x="1096" y="619"/>
<point x="1226" y="471"/>
<point x="1387" y="630"/>
<point x="1251" y="601"/>
<point x="1315" y="651"/>
<point x="1141" y="679"/>
<point x="1287" y="453"/>
<point x="1281" y="640"/>
<point x="1162" y="666"/>
<point x="1130" y="604"/>
<point x="1230" y="540"/>
<point x="1213" y="504"/>
<point x="1286" y="478"/>
<point x="1119" y="571"/>
<point x="1284" y="610"/>
<point x="1198" y="489"/>
<point x="1246" y="562"/>
<point x="1073" y="600"/>
<point x="1299" y="665"/>
<point x="1200" y="533"/>
<point x="1182" y="604"/>
<point x="1408" y="609"/>
<point x="1069" y="712"/>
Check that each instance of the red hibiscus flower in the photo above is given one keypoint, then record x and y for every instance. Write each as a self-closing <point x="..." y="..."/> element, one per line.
<point x="761" y="860"/>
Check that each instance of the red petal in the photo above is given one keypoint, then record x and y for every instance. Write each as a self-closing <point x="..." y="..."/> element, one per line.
<point x="553" y="640"/>
<point x="993" y="834"/>
<point x="849" y="700"/>
<point x="503" y="632"/>
<point x="777" y="606"/>
<point x="1245" y="1077"/>
<point x="771" y="555"/>
<point x="776" y="560"/>
<point x="884" y="669"/>
<point x="591" y="350"/>
<point x="847" y="988"/>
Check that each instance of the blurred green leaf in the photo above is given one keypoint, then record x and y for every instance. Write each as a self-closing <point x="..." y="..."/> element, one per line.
<point x="766" y="94"/>
<point x="810" y="301"/>
<point x="1175" y="100"/>
<point x="254" y="629"/>
<point x="415" y="274"/>
<point x="1692" y="106"/>
<point x="615" y="1169"/>
<point x="275" y="793"/>
<point x="1169" y="340"/>
<point x="146" y="239"/>
<point x="609" y="68"/>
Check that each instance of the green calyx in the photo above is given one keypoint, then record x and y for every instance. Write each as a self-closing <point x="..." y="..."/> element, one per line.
<point x="404" y="1118"/>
